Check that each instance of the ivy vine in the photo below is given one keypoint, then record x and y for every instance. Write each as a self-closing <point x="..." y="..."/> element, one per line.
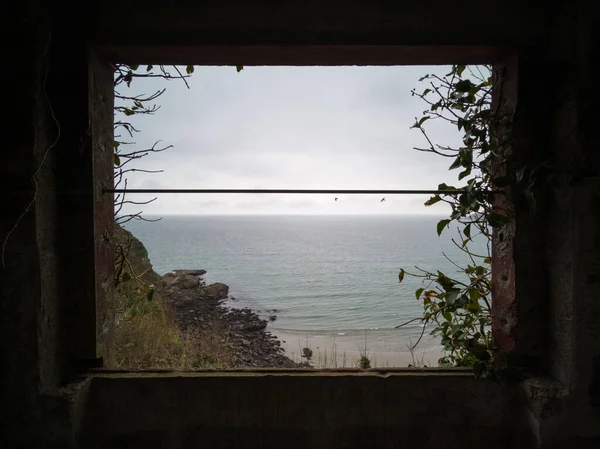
<point x="459" y="306"/>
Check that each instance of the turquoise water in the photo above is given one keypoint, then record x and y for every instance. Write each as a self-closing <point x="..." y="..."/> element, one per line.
<point x="329" y="275"/>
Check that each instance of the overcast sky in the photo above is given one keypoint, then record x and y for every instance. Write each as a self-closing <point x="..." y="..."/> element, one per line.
<point x="290" y="127"/>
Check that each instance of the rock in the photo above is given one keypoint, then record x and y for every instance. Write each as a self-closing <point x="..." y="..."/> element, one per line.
<point x="190" y="272"/>
<point x="197" y="308"/>
<point x="215" y="291"/>
<point x="186" y="281"/>
<point x="272" y="317"/>
<point x="254" y="326"/>
<point x="182" y="282"/>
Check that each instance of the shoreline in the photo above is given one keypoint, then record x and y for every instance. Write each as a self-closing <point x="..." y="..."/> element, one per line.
<point x="200" y="307"/>
<point x="257" y="342"/>
<point x="385" y="349"/>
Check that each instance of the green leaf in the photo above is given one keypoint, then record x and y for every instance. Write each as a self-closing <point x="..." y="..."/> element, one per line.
<point x="473" y="307"/>
<point x="149" y="67"/>
<point x="463" y="86"/>
<point x="419" y="292"/>
<point x="423" y="120"/>
<point x="441" y="225"/>
<point x="434" y="199"/>
<point x="447" y="316"/>
<point x="457" y="163"/>
<point x="460" y="69"/>
<point x="150" y="294"/>
<point x="239" y="68"/>
<point x="464" y="174"/>
<point x="189" y="69"/>
<point x="467" y="231"/>
<point x="134" y="67"/>
<point x="401" y="276"/>
<point x="117" y="160"/>
<point x="131" y="313"/>
<point x="461" y="301"/>
<point x="445" y="282"/>
<point x="451" y="296"/>
<point x="444" y="186"/>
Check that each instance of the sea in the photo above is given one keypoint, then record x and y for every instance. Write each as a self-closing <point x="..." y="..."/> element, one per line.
<point x="322" y="277"/>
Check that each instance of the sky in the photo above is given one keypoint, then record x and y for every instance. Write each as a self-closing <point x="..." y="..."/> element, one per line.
<point x="289" y="128"/>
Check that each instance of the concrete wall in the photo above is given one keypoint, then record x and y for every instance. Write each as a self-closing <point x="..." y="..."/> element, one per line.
<point x="53" y="306"/>
<point x="275" y="410"/>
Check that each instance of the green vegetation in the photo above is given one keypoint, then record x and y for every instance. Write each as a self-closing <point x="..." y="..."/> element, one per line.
<point x="146" y="334"/>
<point x="459" y="307"/>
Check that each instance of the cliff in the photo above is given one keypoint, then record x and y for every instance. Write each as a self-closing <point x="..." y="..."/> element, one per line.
<point x="176" y="321"/>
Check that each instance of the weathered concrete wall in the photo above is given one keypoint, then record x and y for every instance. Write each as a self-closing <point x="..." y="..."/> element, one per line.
<point x="48" y="316"/>
<point x="311" y="410"/>
<point x="47" y="281"/>
<point x="573" y="242"/>
<point x="101" y="93"/>
<point x="30" y="310"/>
<point x="350" y="22"/>
<point x="20" y="277"/>
<point x="155" y="33"/>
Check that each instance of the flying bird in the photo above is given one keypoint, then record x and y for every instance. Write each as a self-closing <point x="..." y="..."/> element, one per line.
<point x="382" y="199"/>
<point x="336" y="199"/>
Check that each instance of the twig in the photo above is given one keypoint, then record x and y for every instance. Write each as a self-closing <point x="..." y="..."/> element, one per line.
<point x="420" y="337"/>
<point x="181" y="76"/>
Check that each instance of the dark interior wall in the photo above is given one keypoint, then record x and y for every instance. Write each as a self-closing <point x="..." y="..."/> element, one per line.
<point x="48" y="317"/>
<point x="573" y="240"/>
<point x="20" y="277"/>
<point x="29" y="310"/>
<point x="173" y="34"/>
<point x="384" y="22"/>
<point x="330" y="410"/>
<point x="47" y="283"/>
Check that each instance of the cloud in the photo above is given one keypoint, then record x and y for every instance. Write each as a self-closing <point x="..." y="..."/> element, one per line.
<point x="289" y="127"/>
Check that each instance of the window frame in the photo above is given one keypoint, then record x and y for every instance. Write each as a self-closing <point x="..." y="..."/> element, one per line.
<point x="101" y="108"/>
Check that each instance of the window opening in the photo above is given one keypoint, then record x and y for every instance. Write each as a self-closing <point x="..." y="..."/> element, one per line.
<point x="172" y="317"/>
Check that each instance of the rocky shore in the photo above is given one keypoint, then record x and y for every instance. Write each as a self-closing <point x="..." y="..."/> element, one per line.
<point x="199" y="307"/>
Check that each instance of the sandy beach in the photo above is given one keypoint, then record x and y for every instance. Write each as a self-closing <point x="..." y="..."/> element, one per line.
<point x="383" y="348"/>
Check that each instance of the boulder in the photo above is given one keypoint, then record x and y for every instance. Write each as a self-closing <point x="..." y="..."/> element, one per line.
<point x="183" y="282"/>
<point x="215" y="291"/>
<point x="250" y="326"/>
<point x="190" y="272"/>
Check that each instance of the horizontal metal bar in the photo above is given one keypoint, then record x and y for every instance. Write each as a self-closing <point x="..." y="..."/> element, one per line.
<point x="293" y="191"/>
